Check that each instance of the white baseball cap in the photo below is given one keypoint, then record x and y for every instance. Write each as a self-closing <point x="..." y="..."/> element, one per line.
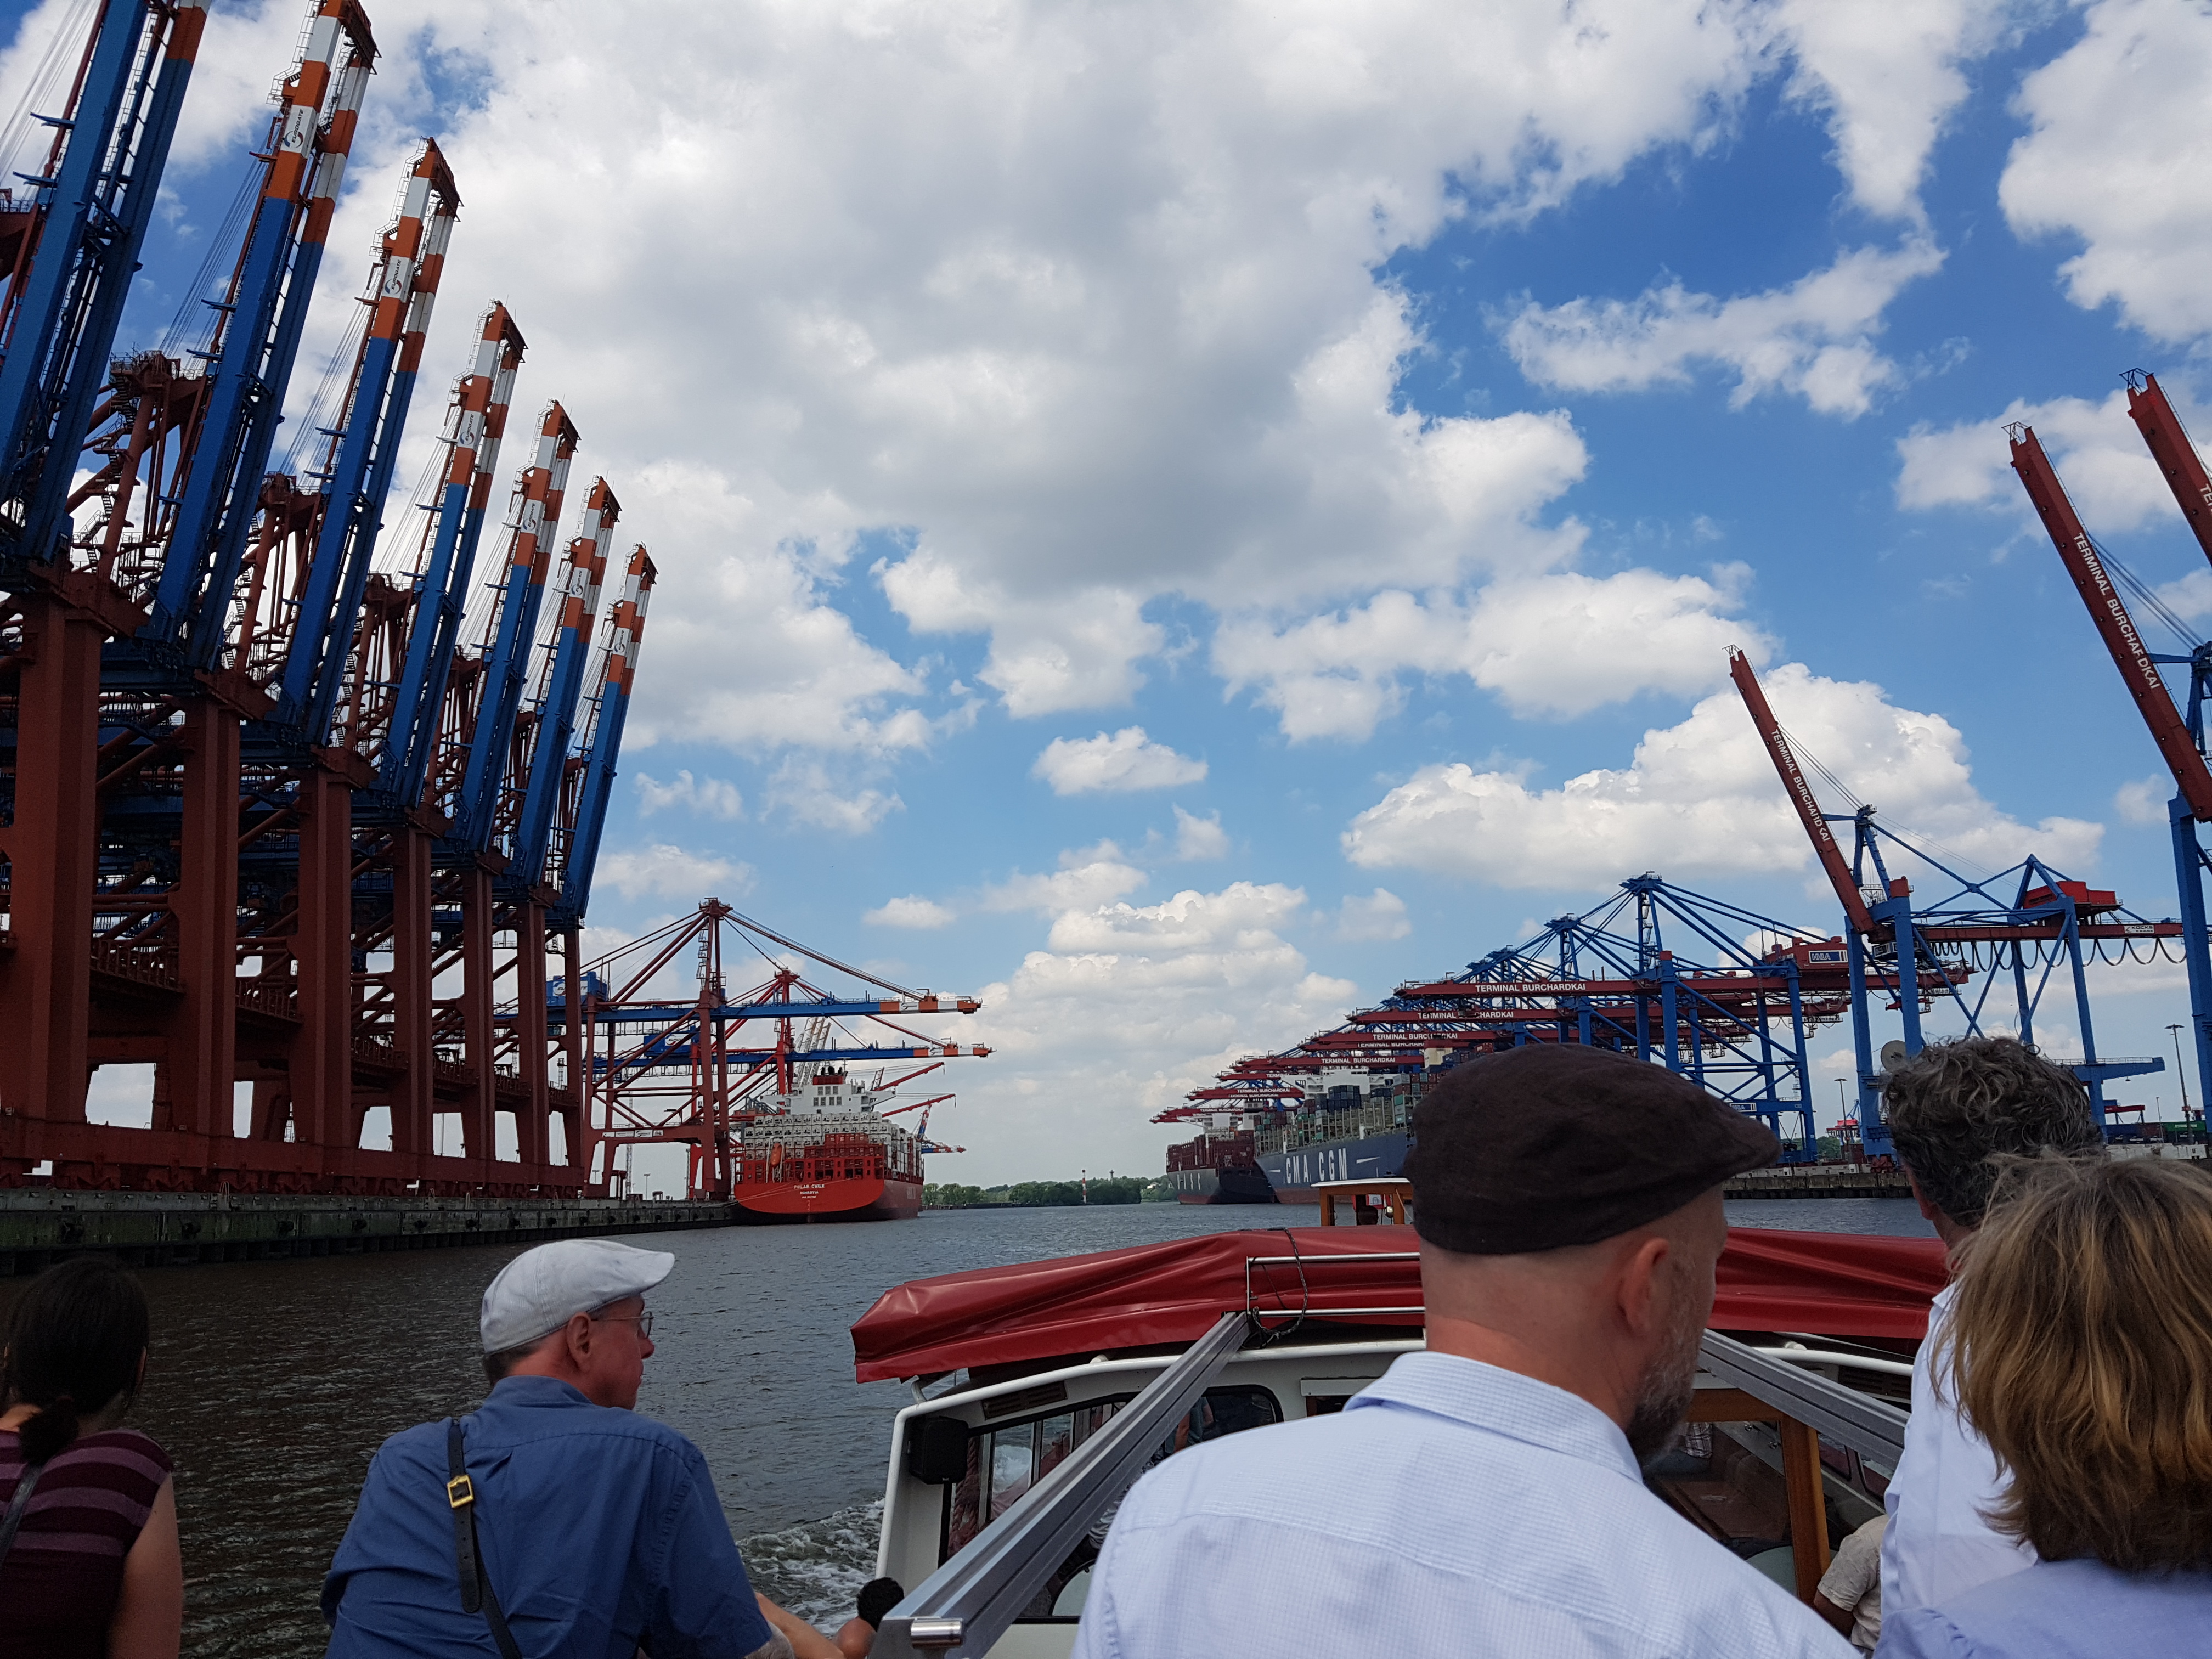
<point x="542" y="1289"/>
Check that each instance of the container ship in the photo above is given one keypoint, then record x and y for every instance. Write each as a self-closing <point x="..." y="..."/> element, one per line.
<point x="824" y="1154"/>
<point x="1336" y="1134"/>
<point x="1220" y="1167"/>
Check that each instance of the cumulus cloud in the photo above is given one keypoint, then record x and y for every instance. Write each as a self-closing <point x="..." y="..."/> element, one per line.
<point x="662" y="871"/>
<point x="1558" y="644"/>
<point x="2114" y="159"/>
<point x="711" y="797"/>
<point x="1200" y="840"/>
<point x="808" y="793"/>
<point x="1887" y="74"/>
<point x="1701" y="797"/>
<point x="1815" y="338"/>
<point x="1087" y="877"/>
<point x="2108" y="474"/>
<point x="1126" y="1009"/>
<point x="1380" y="915"/>
<point x="1083" y="307"/>
<point x="2142" y="800"/>
<point x="912" y="911"/>
<point x="1126" y="760"/>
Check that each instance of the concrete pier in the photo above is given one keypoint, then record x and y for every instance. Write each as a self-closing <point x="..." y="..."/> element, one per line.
<point x="1819" y="1181"/>
<point x="38" y="1226"/>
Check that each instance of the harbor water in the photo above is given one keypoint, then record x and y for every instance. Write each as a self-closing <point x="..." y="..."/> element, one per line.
<point x="272" y="1384"/>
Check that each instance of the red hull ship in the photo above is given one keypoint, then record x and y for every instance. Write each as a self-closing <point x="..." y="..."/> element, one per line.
<point x="862" y="1169"/>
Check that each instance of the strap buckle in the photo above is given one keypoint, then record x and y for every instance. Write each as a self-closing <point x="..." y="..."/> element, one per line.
<point x="458" y="1492"/>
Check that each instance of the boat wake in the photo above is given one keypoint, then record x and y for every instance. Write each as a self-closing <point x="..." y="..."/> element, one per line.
<point x="816" y="1568"/>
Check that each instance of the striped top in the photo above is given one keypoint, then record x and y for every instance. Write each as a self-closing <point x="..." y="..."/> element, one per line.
<point x="60" y="1581"/>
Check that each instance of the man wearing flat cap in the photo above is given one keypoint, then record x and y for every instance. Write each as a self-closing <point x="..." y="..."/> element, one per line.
<point x="1484" y="1497"/>
<point x="553" y="1520"/>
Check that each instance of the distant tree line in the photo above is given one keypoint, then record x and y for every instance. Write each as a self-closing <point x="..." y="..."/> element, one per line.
<point x="1033" y="1194"/>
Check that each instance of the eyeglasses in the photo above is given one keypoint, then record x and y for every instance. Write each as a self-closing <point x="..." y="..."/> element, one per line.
<point x="642" y="1320"/>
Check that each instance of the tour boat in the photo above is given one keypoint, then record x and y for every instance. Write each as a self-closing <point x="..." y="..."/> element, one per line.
<point x="1043" y="1390"/>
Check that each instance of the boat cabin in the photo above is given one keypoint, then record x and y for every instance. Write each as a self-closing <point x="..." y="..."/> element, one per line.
<point x="1043" y="1391"/>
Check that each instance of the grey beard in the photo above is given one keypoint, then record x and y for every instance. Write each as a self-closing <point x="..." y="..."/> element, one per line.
<point x="1664" y="1394"/>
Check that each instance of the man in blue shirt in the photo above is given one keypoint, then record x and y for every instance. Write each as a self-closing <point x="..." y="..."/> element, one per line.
<point x="597" y="1531"/>
<point x="1484" y="1498"/>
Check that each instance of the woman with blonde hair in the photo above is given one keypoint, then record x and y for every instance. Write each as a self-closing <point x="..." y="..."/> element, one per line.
<point x="2079" y="1345"/>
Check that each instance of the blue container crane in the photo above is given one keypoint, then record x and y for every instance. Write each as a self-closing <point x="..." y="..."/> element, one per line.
<point x="92" y="202"/>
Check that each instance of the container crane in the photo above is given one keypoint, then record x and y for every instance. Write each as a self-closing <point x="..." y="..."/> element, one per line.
<point x="467" y="784"/>
<point x="2180" y="741"/>
<point x="365" y="447"/>
<point x="539" y="775"/>
<point x="258" y="323"/>
<point x="232" y="886"/>
<point x="664" y="1068"/>
<point x="78" y="244"/>
<point x="89" y="222"/>
<point x="578" y="845"/>
<point x="478" y="428"/>
<point x="2031" y="920"/>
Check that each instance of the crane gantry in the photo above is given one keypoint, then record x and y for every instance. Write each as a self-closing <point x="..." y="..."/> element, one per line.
<point x="253" y="750"/>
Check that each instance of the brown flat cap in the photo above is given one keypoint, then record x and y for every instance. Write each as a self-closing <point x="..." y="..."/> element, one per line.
<point x="1558" y="1144"/>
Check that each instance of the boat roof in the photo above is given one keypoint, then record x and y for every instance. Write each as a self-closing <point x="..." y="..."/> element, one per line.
<point x="1845" y="1285"/>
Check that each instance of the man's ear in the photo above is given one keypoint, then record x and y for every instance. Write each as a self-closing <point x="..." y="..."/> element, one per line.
<point x="1642" y="1300"/>
<point x="577" y="1334"/>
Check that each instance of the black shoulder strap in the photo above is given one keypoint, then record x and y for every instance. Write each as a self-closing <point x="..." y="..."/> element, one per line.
<point x="476" y="1594"/>
<point x="26" y="1484"/>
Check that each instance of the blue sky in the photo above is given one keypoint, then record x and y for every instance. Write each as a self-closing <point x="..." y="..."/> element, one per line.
<point x="1380" y="416"/>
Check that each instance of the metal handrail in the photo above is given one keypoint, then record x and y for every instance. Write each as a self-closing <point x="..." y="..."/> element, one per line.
<point x="969" y="1602"/>
<point x="1871" y="1427"/>
<point x="1303" y="1262"/>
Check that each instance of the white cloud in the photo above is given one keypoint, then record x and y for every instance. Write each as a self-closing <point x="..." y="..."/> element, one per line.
<point x="1815" y="338"/>
<point x="1083" y="306"/>
<point x="912" y="911"/>
<point x="1701" y="797"/>
<point x="1200" y="840"/>
<point x="2101" y="457"/>
<point x="713" y="798"/>
<point x="2143" y="800"/>
<point x="1129" y="1008"/>
<point x="1889" y="76"/>
<point x="665" y="872"/>
<point x="1126" y="760"/>
<point x="1558" y="644"/>
<point x="1380" y="915"/>
<point x="1087" y="877"/>
<point x="2116" y="160"/>
<point x="807" y="793"/>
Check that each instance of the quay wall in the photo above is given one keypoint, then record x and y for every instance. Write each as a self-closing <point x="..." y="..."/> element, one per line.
<point x="1819" y="1181"/>
<point x="38" y="1226"/>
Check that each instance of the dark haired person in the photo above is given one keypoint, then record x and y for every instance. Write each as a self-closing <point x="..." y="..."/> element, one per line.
<point x="2079" y="1344"/>
<point x="92" y="1569"/>
<point x="1569" y="1207"/>
<point x="857" y="1636"/>
<point x="553" y="1520"/>
<point x="1951" y="1109"/>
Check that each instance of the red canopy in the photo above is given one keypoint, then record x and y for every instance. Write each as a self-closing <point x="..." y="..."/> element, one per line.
<point x="1834" y="1284"/>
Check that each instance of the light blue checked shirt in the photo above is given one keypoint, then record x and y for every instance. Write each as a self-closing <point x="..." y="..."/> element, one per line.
<point x="1451" y="1508"/>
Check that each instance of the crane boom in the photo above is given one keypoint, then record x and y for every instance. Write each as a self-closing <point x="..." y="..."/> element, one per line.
<point x="2176" y="456"/>
<point x="2121" y="636"/>
<point x="1802" y="796"/>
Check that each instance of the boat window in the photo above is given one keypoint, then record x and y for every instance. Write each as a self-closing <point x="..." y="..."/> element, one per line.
<point x="1005" y="1459"/>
